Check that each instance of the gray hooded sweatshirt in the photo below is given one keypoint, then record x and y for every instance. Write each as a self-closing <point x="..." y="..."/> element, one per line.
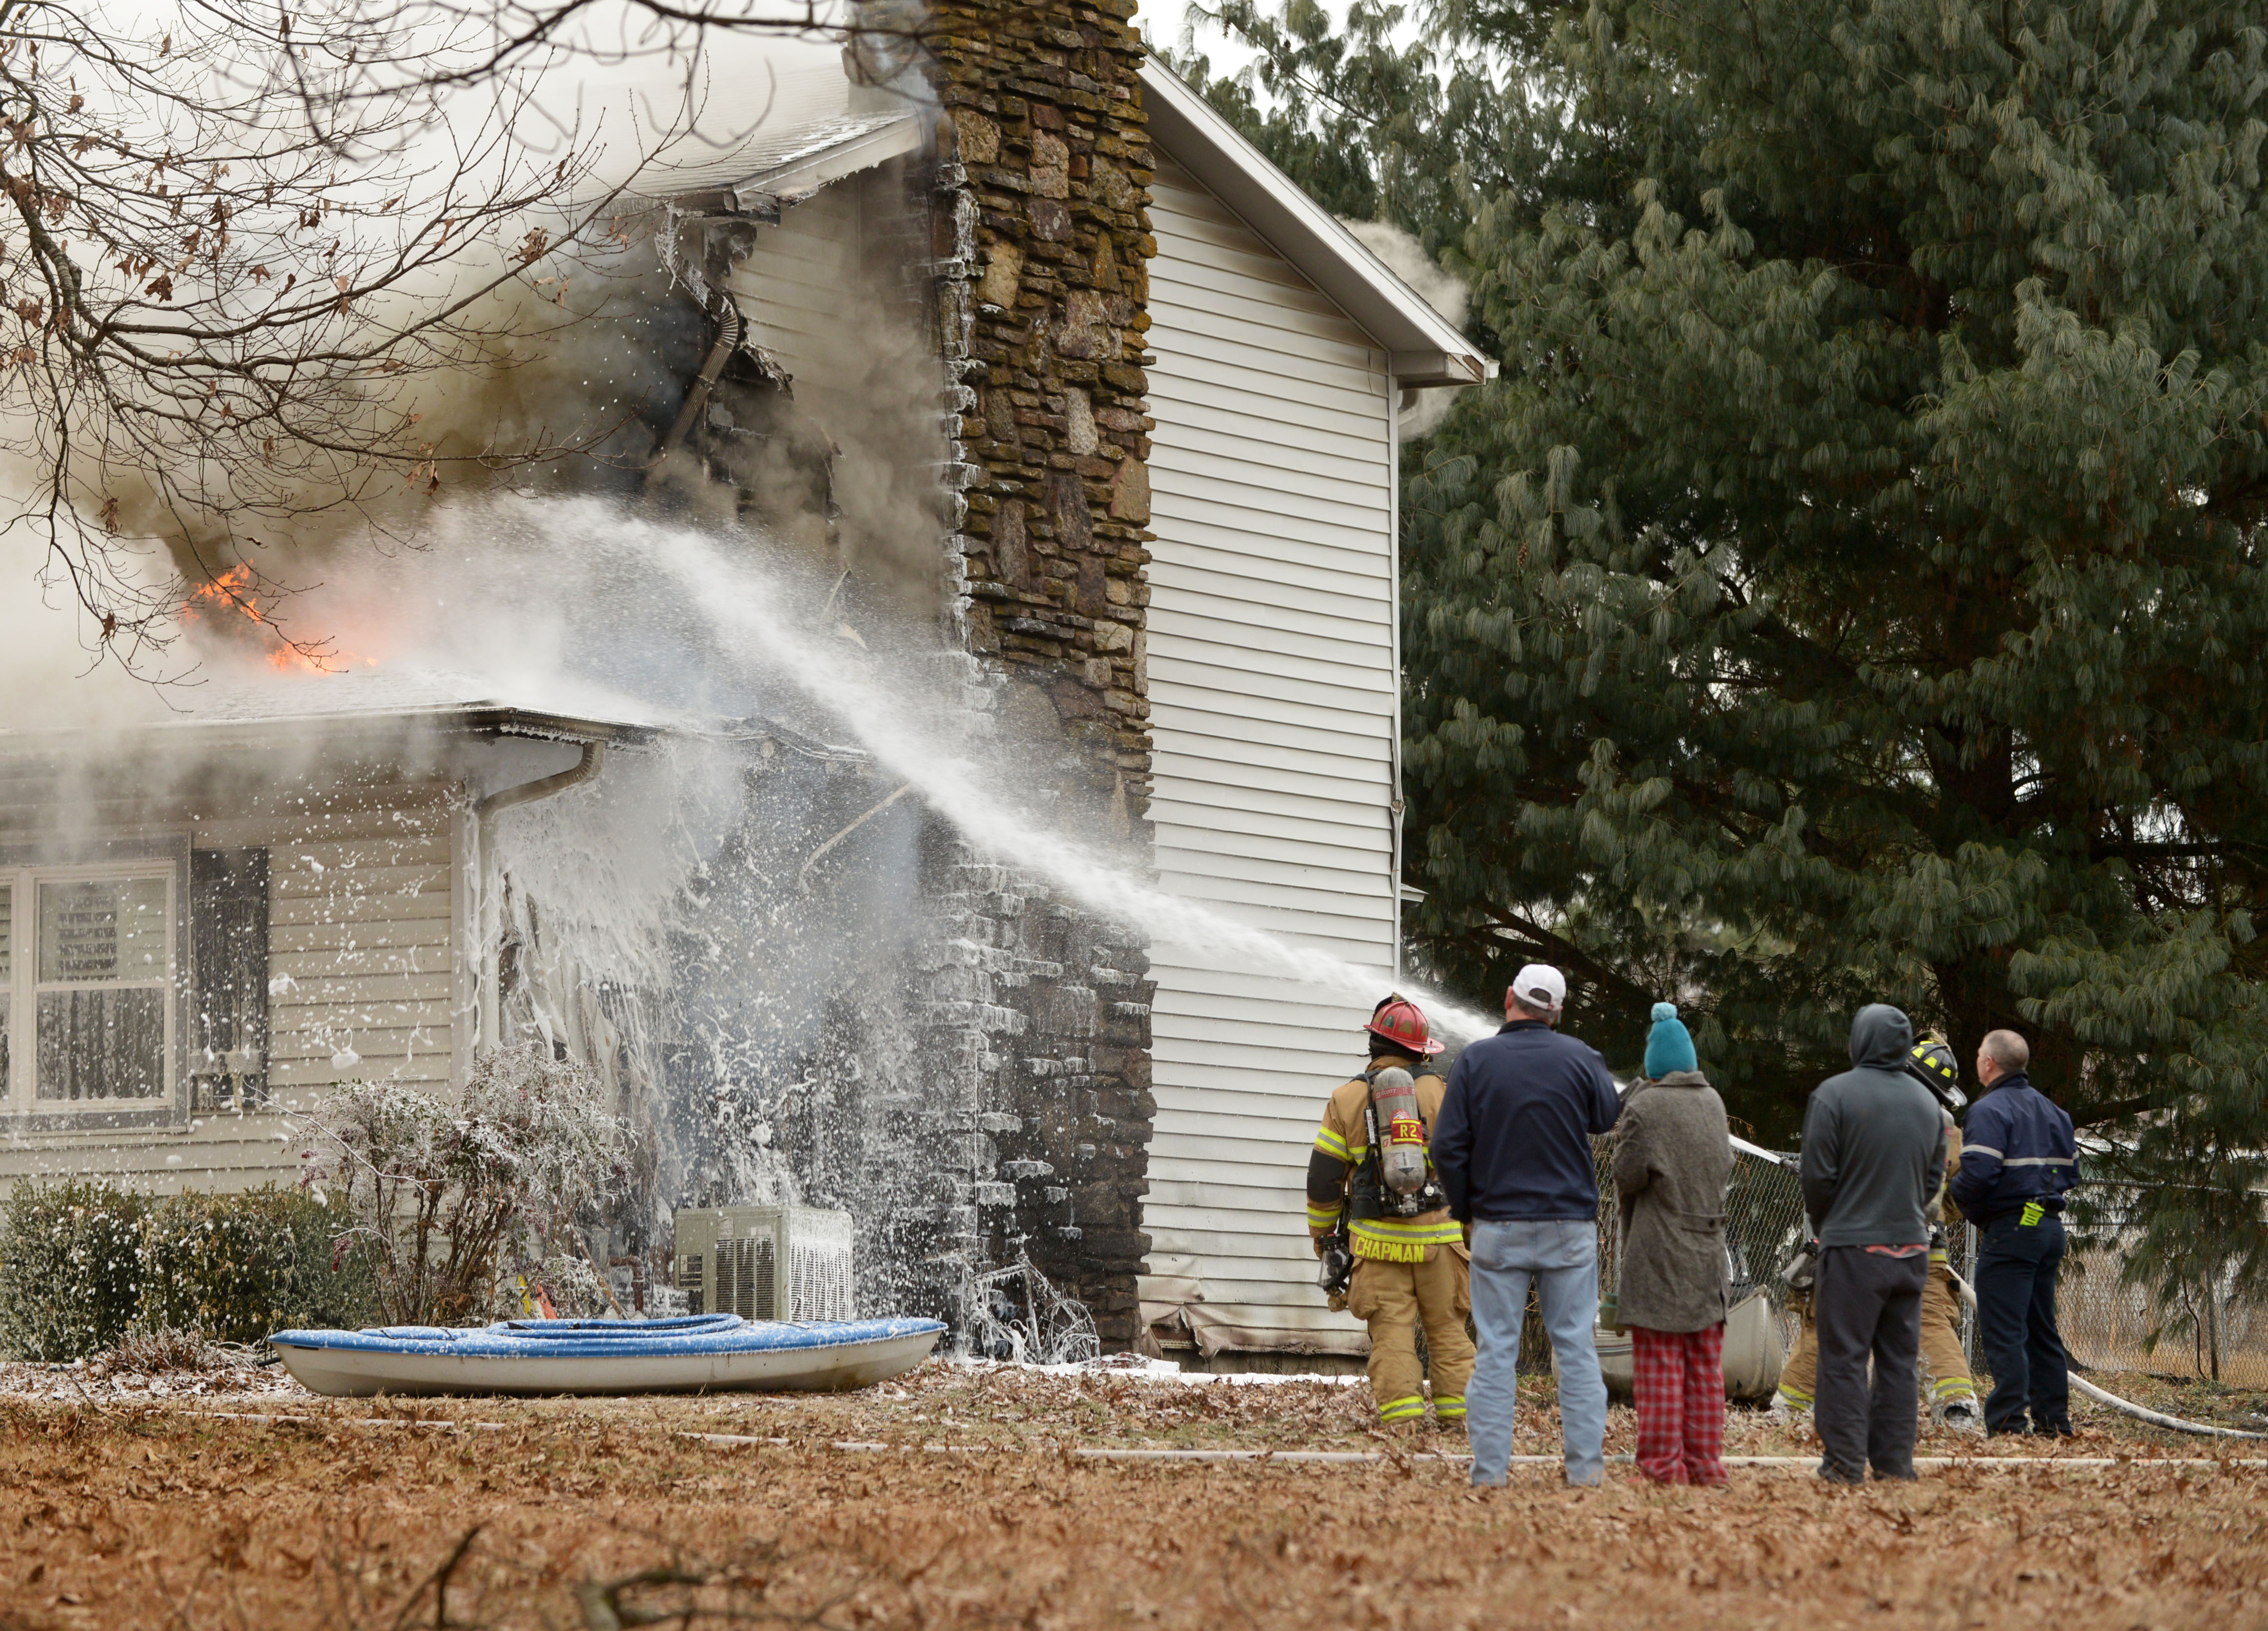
<point x="1873" y="1142"/>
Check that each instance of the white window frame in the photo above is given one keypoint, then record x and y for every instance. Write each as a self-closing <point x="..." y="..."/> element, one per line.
<point x="23" y="875"/>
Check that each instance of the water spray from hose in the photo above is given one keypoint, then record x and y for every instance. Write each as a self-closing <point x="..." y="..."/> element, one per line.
<point x="749" y="609"/>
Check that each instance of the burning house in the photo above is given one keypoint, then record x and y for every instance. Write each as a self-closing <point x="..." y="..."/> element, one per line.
<point x="1148" y="549"/>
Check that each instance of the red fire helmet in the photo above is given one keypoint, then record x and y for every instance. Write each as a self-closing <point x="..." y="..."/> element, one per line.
<point x="1399" y="1020"/>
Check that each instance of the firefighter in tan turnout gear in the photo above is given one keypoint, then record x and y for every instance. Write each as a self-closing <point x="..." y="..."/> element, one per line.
<point x="1392" y="1255"/>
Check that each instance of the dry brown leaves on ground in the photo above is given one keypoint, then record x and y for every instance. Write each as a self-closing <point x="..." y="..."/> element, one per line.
<point x="601" y="1515"/>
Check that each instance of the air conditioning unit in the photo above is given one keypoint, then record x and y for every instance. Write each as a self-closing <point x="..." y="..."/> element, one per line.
<point x="765" y="1262"/>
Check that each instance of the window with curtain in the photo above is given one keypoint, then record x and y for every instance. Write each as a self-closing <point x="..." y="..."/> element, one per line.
<point x="88" y="976"/>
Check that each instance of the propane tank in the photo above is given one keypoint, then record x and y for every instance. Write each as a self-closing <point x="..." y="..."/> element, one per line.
<point x="1401" y="1132"/>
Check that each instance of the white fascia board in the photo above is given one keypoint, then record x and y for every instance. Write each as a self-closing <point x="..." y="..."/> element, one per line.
<point x="872" y="140"/>
<point x="1425" y="347"/>
<point x="128" y="742"/>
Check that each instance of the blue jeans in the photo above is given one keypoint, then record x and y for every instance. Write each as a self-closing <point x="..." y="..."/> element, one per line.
<point x="1562" y="1257"/>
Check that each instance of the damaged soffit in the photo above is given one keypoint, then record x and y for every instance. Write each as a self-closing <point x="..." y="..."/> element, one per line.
<point x="821" y="140"/>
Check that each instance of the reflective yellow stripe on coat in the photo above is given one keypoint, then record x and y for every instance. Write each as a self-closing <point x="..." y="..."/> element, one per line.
<point x="1391" y="1240"/>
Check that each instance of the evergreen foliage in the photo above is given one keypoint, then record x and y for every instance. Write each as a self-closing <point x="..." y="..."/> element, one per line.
<point x="1853" y="587"/>
<point x="1425" y="122"/>
<point x="83" y="1264"/>
<point x="71" y="1269"/>
<point x="1329" y="163"/>
<point x="238" y="1268"/>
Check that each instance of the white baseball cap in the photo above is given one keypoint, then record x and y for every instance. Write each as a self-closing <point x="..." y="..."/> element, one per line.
<point x="1539" y="987"/>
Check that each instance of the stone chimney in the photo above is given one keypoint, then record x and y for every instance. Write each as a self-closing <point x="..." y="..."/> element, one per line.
<point x="1042" y="277"/>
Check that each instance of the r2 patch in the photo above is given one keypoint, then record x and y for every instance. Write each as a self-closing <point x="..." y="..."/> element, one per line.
<point x="1405" y="1130"/>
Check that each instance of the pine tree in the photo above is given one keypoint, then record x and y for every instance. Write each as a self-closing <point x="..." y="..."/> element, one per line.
<point x="1853" y="587"/>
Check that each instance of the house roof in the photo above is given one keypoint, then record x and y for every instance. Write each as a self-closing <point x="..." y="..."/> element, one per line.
<point x="751" y="105"/>
<point x="786" y="165"/>
<point x="1427" y="348"/>
<point x="818" y="134"/>
<point x="381" y="706"/>
<point x="800" y="167"/>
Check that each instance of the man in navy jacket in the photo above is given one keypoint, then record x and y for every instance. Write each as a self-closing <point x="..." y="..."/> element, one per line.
<point x="1512" y="1149"/>
<point x="2018" y="1159"/>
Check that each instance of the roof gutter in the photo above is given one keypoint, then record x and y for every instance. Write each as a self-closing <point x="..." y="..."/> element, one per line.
<point x="377" y="727"/>
<point x="594" y="760"/>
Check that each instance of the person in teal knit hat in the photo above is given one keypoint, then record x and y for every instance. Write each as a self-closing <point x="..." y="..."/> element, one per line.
<point x="1669" y="1045"/>
<point x="1672" y="1157"/>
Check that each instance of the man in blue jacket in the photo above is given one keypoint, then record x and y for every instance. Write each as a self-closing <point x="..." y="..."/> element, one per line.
<point x="2018" y="1159"/>
<point x="1512" y="1149"/>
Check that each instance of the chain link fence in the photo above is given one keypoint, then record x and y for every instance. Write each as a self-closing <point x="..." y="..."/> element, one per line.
<point x="2106" y="1324"/>
<point x="2202" y="1333"/>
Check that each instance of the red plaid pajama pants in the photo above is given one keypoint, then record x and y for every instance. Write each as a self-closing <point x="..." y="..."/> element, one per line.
<point x="1681" y="1404"/>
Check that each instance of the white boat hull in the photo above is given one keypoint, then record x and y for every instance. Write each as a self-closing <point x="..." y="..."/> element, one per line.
<point x="348" y="1373"/>
<point x="1753" y="1352"/>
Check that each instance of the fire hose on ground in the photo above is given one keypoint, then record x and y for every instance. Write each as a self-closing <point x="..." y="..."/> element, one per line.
<point x="2157" y="1418"/>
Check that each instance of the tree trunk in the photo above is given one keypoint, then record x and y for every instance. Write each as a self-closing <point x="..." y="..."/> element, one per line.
<point x="2212" y="1329"/>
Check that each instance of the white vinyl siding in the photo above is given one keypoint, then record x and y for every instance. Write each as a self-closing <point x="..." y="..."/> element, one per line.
<point x="363" y="976"/>
<point x="361" y="970"/>
<point x="798" y="287"/>
<point x="1270" y="660"/>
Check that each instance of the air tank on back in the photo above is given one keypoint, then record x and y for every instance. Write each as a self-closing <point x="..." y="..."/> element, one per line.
<point x="1400" y="1130"/>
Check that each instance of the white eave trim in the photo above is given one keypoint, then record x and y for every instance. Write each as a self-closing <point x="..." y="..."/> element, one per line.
<point x="869" y="142"/>
<point x="344" y="730"/>
<point x="1425" y="347"/>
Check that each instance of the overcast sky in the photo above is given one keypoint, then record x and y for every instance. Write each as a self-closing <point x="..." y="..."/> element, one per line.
<point x="1162" y="20"/>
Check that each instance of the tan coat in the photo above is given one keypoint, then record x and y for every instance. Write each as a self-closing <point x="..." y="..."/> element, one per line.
<point x="1673" y="1160"/>
<point x="1342" y="1142"/>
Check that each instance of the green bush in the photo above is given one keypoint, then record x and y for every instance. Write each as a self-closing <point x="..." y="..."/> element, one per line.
<point x="71" y="1268"/>
<point x="236" y="1267"/>
<point x="82" y="1262"/>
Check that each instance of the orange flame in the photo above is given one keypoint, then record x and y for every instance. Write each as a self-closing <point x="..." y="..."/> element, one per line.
<point x="234" y="590"/>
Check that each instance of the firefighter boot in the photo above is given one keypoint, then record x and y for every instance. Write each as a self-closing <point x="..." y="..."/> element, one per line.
<point x="1960" y="1416"/>
<point x="1944" y="1367"/>
<point x="1445" y="1302"/>
<point x="1791" y="1406"/>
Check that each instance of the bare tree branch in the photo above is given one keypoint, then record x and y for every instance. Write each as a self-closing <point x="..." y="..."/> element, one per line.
<point x="215" y="299"/>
